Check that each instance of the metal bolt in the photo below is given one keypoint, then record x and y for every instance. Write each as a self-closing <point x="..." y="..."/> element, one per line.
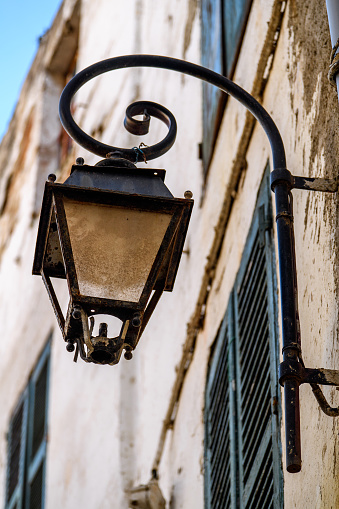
<point x="51" y="177"/>
<point x="70" y="346"/>
<point x="103" y="330"/>
<point x="136" y="320"/>
<point x="76" y="313"/>
<point x="128" y="355"/>
<point x="80" y="161"/>
<point x="188" y="195"/>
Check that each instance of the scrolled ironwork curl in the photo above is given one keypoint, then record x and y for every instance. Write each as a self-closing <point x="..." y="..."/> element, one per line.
<point x="172" y="64"/>
<point x="141" y="127"/>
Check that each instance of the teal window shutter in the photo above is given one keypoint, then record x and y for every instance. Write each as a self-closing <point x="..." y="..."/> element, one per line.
<point x="16" y="447"/>
<point x="212" y="58"/>
<point x="223" y="23"/>
<point x="37" y="432"/>
<point x="235" y="14"/>
<point x="27" y="437"/>
<point x="220" y="416"/>
<point x="243" y="457"/>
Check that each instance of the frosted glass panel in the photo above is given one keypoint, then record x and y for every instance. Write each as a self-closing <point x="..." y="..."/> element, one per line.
<point x="114" y="248"/>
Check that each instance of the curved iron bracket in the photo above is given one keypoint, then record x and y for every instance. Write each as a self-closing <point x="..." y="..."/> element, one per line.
<point x="171" y="64"/>
<point x="282" y="182"/>
<point x="134" y="126"/>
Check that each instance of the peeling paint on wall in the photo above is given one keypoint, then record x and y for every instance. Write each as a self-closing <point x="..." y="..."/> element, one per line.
<point x="192" y="9"/>
<point x="14" y="186"/>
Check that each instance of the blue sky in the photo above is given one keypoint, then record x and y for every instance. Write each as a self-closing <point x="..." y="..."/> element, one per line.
<point x="22" y="22"/>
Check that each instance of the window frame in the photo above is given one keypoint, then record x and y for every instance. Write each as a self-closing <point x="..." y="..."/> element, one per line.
<point x="29" y="463"/>
<point x="214" y="56"/>
<point x="17" y="496"/>
<point x="241" y="488"/>
<point x="230" y="64"/>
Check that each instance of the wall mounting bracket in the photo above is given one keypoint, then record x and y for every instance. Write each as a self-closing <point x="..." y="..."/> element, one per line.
<point x="282" y="182"/>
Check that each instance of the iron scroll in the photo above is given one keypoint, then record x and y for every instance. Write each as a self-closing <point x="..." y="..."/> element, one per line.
<point x="172" y="64"/>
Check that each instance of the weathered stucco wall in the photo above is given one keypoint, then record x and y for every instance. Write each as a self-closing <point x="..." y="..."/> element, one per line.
<point x="305" y="108"/>
<point x="86" y="405"/>
<point x="315" y="122"/>
<point x="109" y="426"/>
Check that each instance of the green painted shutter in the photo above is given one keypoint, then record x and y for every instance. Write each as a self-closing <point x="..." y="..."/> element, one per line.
<point x="37" y="433"/>
<point x="220" y="432"/>
<point x="256" y="360"/>
<point x="246" y="382"/>
<point x="235" y="15"/>
<point x="223" y="23"/>
<point x="27" y="436"/>
<point x="212" y="58"/>
<point x="36" y="489"/>
<point x="16" y="455"/>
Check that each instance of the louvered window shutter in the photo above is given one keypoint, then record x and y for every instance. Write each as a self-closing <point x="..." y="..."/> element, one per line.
<point x="16" y="455"/>
<point x="235" y="14"/>
<point x="27" y="435"/>
<point x="220" y="416"/>
<point x="256" y="370"/>
<point x="253" y="437"/>
<point x="223" y="23"/>
<point x="37" y="431"/>
<point x="212" y="58"/>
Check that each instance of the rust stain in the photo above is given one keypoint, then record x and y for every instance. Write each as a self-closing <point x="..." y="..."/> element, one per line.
<point x="10" y="206"/>
<point x="310" y="53"/>
<point x="312" y="46"/>
<point x="192" y="8"/>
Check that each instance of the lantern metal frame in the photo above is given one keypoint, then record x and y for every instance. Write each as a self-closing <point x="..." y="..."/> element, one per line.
<point x="293" y="372"/>
<point x="54" y="255"/>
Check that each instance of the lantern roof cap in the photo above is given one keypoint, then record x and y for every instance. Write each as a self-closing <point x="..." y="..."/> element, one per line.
<point x="133" y="180"/>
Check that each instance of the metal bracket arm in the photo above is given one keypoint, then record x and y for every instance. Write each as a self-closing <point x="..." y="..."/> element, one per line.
<point x="294" y="370"/>
<point x="316" y="184"/>
<point x="321" y="376"/>
<point x="282" y="175"/>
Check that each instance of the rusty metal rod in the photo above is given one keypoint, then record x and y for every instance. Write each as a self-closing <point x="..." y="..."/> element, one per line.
<point x="292" y="426"/>
<point x="323" y="403"/>
<point x="171" y="64"/>
<point x="288" y="299"/>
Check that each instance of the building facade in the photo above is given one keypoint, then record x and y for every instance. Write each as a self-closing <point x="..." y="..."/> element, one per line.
<point x="196" y="418"/>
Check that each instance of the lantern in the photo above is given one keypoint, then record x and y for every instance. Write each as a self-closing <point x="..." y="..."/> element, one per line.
<point x="115" y="233"/>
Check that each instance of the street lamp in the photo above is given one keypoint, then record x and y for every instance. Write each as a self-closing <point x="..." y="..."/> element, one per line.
<point x="89" y="213"/>
<point x="115" y="233"/>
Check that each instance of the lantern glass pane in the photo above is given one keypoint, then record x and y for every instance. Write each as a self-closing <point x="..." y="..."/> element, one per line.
<point x="114" y="248"/>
